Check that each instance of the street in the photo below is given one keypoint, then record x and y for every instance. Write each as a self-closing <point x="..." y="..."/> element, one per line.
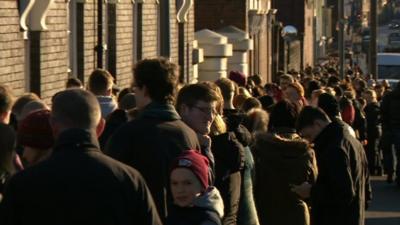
<point x="385" y="207"/>
<point x="383" y="33"/>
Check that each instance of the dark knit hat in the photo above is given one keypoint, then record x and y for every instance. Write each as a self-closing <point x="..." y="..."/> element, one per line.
<point x="195" y="162"/>
<point x="238" y="77"/>
<point x="35" y="130"/>
<point x="329" y="104"/>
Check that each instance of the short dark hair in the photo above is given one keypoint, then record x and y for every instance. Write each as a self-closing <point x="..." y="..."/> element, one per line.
<point x="312" y="86"/>
<point x="100" y="81"/>
<point x="251" y="103"/>
<point x="309" y="115"/>
<point x="333" y="81"/>
<point x="21" y="102"/>
<point x="190" y="94"/>
<point x="76" y="108"/>
<point x="329" y="105"/>
<point x="73" y="82"/>
<point x="283" y="114"/>
<point x="160" y="77"/>
<point x="6" y="99"/>
<point x="227" y="88"/>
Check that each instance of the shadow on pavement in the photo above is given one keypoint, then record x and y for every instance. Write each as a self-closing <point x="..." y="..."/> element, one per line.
<point x="385" y="207"/>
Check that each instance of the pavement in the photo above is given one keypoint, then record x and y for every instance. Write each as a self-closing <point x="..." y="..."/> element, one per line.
<point x="385" y="207"/>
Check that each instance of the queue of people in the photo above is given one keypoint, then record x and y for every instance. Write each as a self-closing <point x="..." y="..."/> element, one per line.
<point x="229" y="152"/>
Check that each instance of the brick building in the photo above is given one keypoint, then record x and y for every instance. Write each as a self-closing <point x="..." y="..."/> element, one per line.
<point x="43" y="42"/>
<point x="251" y="16"/>
<point x="299" y="14"/>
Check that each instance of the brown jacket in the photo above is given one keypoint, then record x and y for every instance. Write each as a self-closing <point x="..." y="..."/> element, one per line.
<point x="282" y="161"/>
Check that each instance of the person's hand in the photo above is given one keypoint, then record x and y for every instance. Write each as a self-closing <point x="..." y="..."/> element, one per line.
<point x="364" y="142"/>
<point x="303" y="190"/>
<point x="204" y="140"/>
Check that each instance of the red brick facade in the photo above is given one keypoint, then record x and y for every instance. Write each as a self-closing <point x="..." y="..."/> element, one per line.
<point x="216" y="14"/>
<point x="11" y="48"/>
<point x="54" y="47"/>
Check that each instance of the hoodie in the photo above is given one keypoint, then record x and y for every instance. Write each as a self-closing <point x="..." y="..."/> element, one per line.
<point x="281" y="161"/>
<point x="208" y="209"/>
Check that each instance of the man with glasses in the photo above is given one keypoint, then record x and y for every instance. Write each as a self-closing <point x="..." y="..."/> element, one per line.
<point x="198" y="106"/>
<point x="157" y="135"/>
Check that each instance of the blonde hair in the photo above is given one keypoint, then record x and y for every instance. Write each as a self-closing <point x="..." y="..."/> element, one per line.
<point x="258" y="119"/>
<point x="218" y="126"/>
<point x="298" y="87"/>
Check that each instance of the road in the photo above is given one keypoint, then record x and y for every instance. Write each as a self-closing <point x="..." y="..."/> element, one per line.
<point x="385" y="208"/>
<point x="383" y="33"/>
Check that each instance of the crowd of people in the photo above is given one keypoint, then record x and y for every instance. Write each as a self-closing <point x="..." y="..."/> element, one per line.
<point x="234" y="151"/>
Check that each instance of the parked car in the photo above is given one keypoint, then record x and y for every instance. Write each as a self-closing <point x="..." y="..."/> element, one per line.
<point x="394" y="25"/>
<point x="394" y="39"/>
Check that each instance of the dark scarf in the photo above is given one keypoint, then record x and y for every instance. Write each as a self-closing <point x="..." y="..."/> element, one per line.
<point x="162" y="111"/>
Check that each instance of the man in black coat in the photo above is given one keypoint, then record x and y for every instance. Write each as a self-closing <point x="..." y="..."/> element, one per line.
<point x="390" y="108"/>
<point x="78" y="184"/>
<point x="338" y="196"/>
<point x="150" y="142"/>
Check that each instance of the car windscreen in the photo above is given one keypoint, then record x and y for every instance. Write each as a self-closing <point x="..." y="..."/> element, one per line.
<point x="389" y="72"/>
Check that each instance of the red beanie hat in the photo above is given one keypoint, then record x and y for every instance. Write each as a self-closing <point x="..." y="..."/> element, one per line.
<point x="35" y="130"/>
<point x="195" y="162"/>
<point x="238" y="77"/>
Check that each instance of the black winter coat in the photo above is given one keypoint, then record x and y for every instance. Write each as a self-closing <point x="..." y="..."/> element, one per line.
<point x="360" y="123"/>
<point x="338" y="196"/>
<point x="78" y="185"/>
<point x="373" y="116"/>
<point x="149" y="144"/>
<point x="229" y="161"/>
<point x="390" y="107"/>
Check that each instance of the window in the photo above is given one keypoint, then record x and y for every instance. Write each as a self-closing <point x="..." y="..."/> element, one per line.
<point x="75" y="39"/>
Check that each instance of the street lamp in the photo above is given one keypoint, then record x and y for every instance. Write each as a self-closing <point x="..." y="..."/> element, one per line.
<point x="289" y="33"/>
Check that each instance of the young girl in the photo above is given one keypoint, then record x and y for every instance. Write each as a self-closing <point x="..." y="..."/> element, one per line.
<point x="195" y="202"/>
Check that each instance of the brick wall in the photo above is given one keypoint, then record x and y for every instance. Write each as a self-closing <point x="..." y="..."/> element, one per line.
<point x="309" y="37"/>
<point x="298" y="14"/>
<point x="53" y="45"/>
<point x="190" y="27"/>
<point x="11" y="48"/>
<point x="90" y="37"/>
<point x="215" y="14"/>
<point x="150" y="29"/>
<point x="124" y="43"/>
<point x="54" y="49"/>
<point x="174" y="31"/>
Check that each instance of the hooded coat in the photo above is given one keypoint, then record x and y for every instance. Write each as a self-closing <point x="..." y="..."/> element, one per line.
<point x="208" y="209"/>
<point x="280" y="162"/>
<point x="149" y="144"/>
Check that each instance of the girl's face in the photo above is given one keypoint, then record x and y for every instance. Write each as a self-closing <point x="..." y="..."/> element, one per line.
<point x="185" y="187"/>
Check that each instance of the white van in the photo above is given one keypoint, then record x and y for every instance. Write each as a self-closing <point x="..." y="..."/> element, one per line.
<point x="389" y="67"/>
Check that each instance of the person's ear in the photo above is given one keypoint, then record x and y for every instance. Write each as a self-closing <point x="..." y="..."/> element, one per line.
<point x="109" y="92"/>
<point x="145" y="91"/>
<point x="183" y="109"/>
<point x="5" y="117"/>
<point x="100" y="127"/>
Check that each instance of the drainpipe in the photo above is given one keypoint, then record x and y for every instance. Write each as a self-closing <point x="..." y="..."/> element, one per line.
<point x="99" y="48"/>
